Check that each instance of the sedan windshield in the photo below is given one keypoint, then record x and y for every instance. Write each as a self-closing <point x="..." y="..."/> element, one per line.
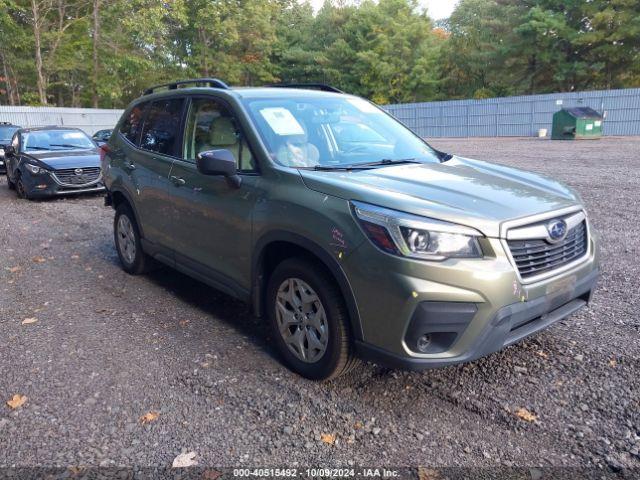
<point x="56" y="140"/>
<point x="334" y="132"/>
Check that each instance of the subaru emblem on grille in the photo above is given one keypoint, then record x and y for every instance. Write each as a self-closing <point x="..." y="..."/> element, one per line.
<point x="557" y="230"/>
<point x="78" y="171"/>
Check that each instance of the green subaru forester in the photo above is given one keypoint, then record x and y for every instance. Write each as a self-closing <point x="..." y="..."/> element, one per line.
<point x="349" y="233"/>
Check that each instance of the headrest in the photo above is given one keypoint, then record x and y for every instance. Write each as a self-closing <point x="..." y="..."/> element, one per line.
<point x="223" y="132"/>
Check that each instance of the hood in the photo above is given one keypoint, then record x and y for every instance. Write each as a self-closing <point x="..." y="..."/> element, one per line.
<point x="469" y="192"/>
<point x="68" y="159"/>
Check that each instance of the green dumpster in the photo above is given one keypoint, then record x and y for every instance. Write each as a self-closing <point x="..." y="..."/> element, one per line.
<point x="576" y="123"/>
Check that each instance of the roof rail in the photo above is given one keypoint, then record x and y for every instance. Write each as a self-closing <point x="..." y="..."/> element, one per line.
<point x="309" y="86"/>
<point x="211" y="82"/>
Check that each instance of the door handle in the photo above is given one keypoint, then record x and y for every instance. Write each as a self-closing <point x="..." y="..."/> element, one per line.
<point x="177" y="181"/>
<point x="128" y="166"/>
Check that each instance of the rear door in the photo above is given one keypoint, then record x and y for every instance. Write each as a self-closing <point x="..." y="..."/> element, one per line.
<point x="211" y="220"/>
<point x="149" y="166"/>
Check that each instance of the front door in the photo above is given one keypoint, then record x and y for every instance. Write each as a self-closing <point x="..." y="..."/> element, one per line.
<point x="211" y="219"/>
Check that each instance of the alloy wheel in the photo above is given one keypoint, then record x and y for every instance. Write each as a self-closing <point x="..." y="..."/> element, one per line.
<point x="126" y="239"/>
<point x="302" y="320"/>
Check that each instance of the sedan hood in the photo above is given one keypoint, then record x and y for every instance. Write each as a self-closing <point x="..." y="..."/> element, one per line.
<point x="69" y="159"/>
<point x="469" y="192"/>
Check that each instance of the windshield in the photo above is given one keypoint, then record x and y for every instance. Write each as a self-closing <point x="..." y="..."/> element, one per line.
<point x="334" y="132"/>
<point x="56" y="140"/>
<point x="7" y="132"/>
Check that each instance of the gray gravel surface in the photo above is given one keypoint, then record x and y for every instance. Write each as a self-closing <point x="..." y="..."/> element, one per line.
<point x="107" y="348"/>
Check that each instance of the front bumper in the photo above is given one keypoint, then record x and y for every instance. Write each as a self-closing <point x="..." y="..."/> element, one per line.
<point x="469" y="308"/>
<point x="509" y="325"/>
<point x="44" y="185"/>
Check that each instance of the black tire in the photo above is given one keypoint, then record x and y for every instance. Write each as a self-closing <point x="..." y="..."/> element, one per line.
<point x="339" y="357"/>
<point x="21" y="190"/>
<point x="10" y="184"/>
<point x="139" y="262"/>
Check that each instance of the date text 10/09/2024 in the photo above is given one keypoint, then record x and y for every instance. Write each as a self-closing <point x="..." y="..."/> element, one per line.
<point x="316" y="472"/>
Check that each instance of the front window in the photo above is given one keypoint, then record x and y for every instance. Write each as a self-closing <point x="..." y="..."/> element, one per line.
<point x="43" y="140"/>
<point x="334" y="132"/>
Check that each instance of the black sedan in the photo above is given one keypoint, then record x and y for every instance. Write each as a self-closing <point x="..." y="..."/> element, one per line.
<point x="50" y="161"/>
<point x="6" y="132"/>
<point x="102" y="136"/>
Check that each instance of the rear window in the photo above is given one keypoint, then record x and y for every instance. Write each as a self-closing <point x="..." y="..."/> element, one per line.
<point x="133" y="123"/>
<point x="161" y="130"/>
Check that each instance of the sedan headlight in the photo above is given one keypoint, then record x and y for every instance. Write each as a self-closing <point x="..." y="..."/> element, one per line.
<point x="413" y="236"/>
<point x="35" y="169"/>
<point x="1" y="152"/>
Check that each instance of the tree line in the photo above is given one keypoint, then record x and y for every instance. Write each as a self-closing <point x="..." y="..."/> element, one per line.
<point x="103" y="53"/>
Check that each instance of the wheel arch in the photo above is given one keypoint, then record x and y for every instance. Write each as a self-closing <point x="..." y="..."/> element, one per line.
<point x="276" y="246"/>
<point x="120" y="196"/>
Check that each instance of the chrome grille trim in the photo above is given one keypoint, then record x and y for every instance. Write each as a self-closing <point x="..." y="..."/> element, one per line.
<point x="67" y="177"/>
<point x="535" y="257"/>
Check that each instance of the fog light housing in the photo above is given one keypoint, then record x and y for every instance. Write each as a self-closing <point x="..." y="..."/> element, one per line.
<point x="42" y="186"/>
<point x="424" y="342"/>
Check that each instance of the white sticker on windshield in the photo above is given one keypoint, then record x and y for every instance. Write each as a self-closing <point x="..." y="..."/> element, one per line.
<point x="282" y="121"/>
<point x="597" y="123"/>
<point x="362" y="105"/>
<point x="589" y="126"/>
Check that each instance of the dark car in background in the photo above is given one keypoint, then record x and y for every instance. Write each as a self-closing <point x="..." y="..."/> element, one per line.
<point x="6" y="132"/>
<point x="102" y="136"/>
<point x="51" y="161"/>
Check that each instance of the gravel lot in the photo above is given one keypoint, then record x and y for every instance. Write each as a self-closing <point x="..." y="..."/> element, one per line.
<point x="108" y="348"/>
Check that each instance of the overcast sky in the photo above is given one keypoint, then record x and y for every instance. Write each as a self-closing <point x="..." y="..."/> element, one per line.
<point x="437" y="8"/>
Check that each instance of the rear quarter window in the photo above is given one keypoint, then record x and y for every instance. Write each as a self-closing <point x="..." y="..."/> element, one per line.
<point x="132" y="125"/>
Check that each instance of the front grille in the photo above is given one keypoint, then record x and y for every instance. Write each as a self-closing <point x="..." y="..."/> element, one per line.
<point x="534" y="257"/>
<point x="69" y="177"/>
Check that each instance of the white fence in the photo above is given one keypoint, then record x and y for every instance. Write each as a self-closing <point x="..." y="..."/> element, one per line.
<point x="520" y="116"/>
<point x="88" y="119"/>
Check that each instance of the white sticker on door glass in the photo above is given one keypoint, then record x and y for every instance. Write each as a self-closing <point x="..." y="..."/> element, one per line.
<point x="589" y="126"/>
<point x="282" y="121"/>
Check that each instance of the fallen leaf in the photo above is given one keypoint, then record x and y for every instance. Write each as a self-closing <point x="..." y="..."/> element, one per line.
<point x="149" y="417"/>
<point x="358" y="425"/>
<point x="542" y="354"/>
<point x="526" y="415"/>
<point x="328" y="438"/>
<point x="613" y="363"/>
<point x="75" y="257"/>
<point x="184" y="460"/>
<point x="38" y="259"/>
<point x="15" y="269"/>
<point x="16" y="401"/>
<point x="28" y="321"/>
<point x="183" y="323"/>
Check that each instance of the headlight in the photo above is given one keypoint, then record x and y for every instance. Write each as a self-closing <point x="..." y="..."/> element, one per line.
<point x="413" y="236"/>
<point x="1" y="152"/>
<point x="35" y="169"/>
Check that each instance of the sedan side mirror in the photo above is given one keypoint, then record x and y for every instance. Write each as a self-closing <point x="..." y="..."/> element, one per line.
<point x="219" y="162"/>
<point x="9" y="150"/>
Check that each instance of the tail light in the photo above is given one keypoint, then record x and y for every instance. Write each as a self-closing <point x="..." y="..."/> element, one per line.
<point x="104" y="150"/>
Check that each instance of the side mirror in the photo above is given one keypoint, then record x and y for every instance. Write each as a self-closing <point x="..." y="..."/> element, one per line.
<point x="219" y="162"/>
<point x="9" y="150"/>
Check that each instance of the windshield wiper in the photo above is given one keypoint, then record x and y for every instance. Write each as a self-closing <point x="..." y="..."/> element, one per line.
<point x="366" y="165"/>
<point x="68" y="145"/>
<point x="36" y="148"/>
